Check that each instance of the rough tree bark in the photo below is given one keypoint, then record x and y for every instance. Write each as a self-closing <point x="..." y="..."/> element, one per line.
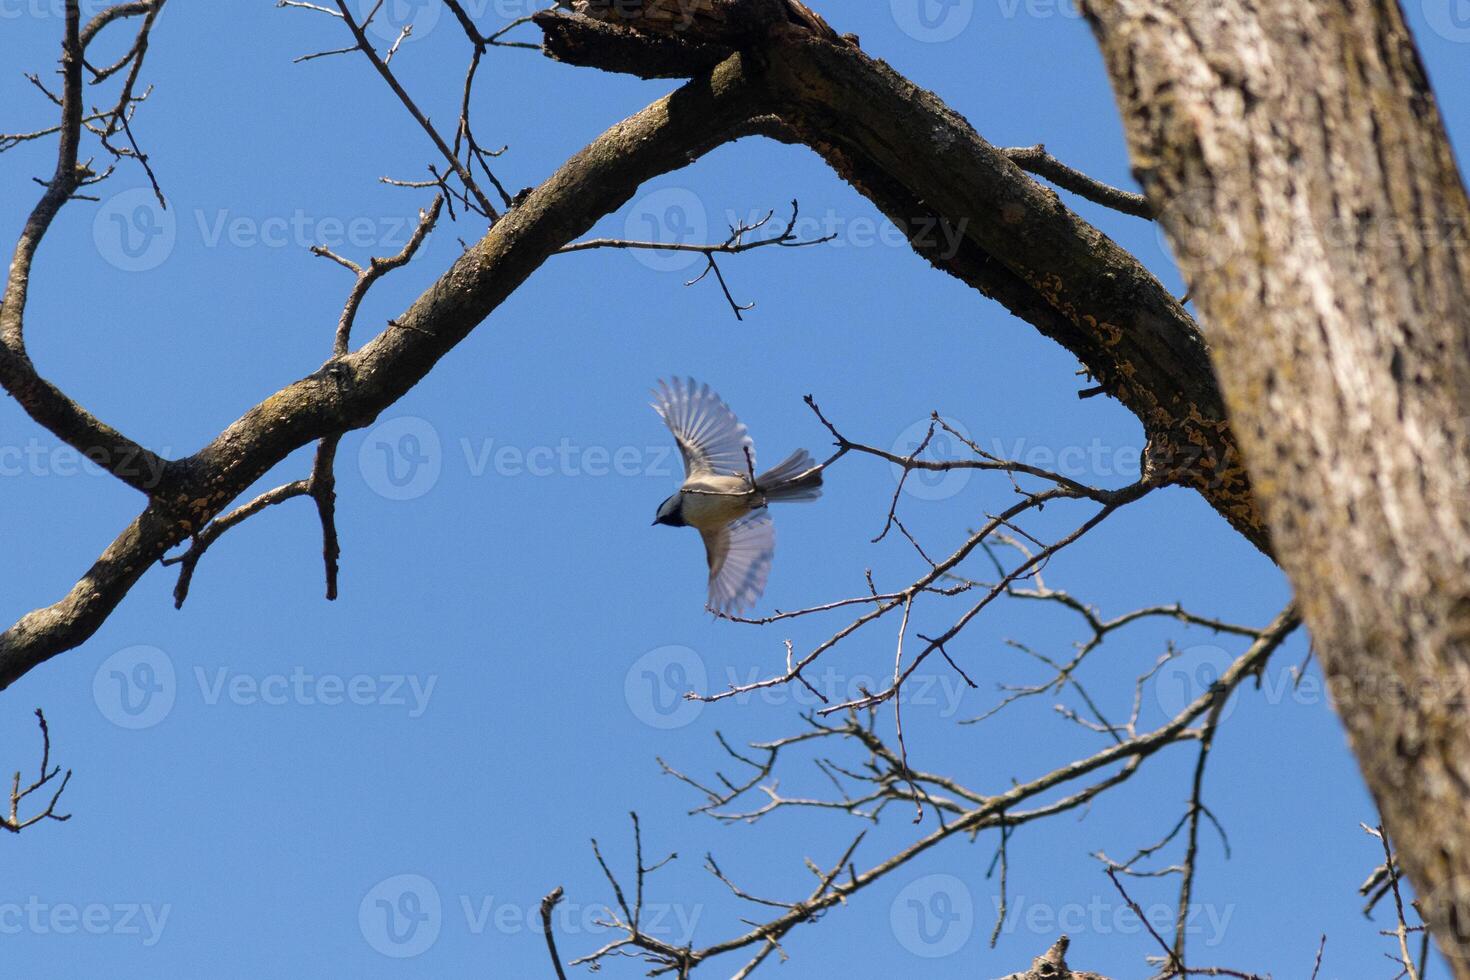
<point x="1304" y="177"/>
<point x="970" y="210"/>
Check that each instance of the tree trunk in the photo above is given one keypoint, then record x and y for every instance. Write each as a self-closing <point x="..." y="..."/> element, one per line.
<point x="1298" y="160"/>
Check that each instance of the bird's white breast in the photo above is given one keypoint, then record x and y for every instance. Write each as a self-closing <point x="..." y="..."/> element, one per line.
<point x="711" y="502"/>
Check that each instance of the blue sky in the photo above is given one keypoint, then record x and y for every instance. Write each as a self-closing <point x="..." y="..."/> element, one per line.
<point x="495" y="682"/>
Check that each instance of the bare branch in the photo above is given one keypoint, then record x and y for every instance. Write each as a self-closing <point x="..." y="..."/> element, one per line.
<point x="1036" y="160"/>
<point x="547" y="905"/>
<point x="189" y="560"/>
<point x="42" y="401"/>
<point x="890" y="777"/>
<point x="1175" y="966"/>
<point x="376" y="269"/>
<point x="350" y="391"/>
<point x="1402" y="928"/>
<point x="15" y="823"/>
<point x="366" y="47"/>
<point x="735" y="244"/>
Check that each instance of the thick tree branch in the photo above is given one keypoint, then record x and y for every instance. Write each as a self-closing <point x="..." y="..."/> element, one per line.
<point x="43" y="401"/>
<point x="963" y="203"/>
<point x="349" y="391"/>
<point x="974" y="213"/>
<point x="616" y="48"/>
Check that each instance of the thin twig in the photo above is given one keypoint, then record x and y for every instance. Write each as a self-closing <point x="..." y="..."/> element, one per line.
<point x="547" y="904"/>
<point x="1036" y="160"/>
<point x="14" y="822"/>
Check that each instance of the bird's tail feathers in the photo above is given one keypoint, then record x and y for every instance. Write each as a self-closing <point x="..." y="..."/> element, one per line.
<point x="796" y="478"/>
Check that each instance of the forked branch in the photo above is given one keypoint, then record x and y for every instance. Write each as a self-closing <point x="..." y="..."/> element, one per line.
<point x="882" y="777"/>
<point x="15" y="822"/>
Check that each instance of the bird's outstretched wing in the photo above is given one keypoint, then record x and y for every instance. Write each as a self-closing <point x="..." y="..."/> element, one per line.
<point x="712" y="440"/>
<point x="739" y="556"/>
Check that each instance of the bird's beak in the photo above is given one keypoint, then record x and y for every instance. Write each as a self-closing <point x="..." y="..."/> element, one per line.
<point x="655" y="523"/>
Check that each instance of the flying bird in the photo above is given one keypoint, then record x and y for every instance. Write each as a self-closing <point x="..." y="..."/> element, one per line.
<point x="722" y="497"/>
